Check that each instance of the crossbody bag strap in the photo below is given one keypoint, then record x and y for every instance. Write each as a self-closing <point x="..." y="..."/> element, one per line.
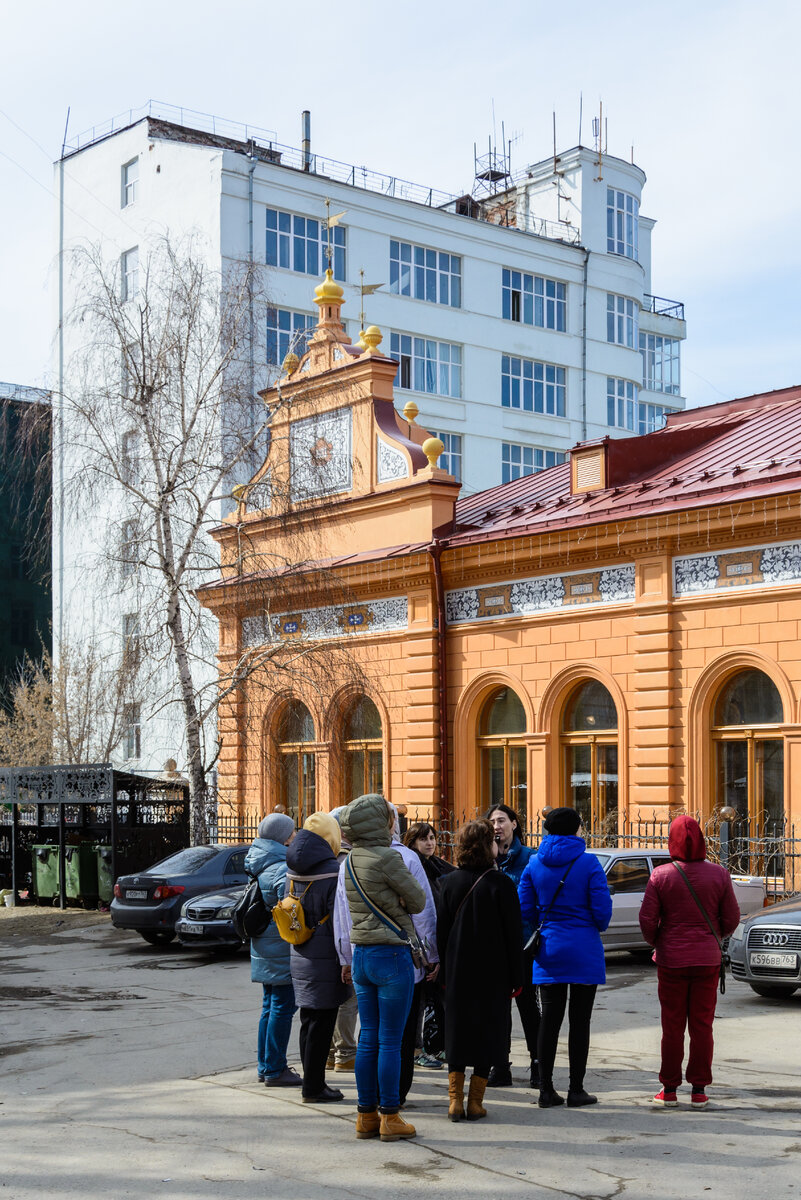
<point x="385" y="919"/>
<point x="309" y="880"/>
<point x="556" y="893"/>
<point x="472" y="889"/>
<point x="701" y="908"/>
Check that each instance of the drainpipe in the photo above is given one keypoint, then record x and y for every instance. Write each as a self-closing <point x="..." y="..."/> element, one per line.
<point x="584" y="348"/>
<point x="435" y="550"/>
<point x="251" y="266"/>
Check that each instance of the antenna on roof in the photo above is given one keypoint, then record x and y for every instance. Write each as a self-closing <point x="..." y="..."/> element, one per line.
<point x="581" y="113"/>
<point x="493" y="170"/>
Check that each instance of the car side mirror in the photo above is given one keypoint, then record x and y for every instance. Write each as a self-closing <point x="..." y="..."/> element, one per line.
<point x="611" y="887"/>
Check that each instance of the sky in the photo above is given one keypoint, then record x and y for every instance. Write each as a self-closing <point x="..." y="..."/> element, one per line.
<point x="704" y="91"/>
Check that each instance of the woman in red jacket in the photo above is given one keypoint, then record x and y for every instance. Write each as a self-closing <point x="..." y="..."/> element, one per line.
<point x="687" y="955"/>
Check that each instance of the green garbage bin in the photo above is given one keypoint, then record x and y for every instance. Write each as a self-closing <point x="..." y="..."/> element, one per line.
<point x="80" y="871"/>
<point x="105" y="880"/>
<point x="45" y="872"/>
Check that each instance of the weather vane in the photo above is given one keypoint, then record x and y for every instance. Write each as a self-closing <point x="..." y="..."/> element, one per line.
<point x="365" y="289"/>
<point x="331" y="223"/>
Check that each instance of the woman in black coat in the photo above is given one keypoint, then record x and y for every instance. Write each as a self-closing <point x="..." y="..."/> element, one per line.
<point x="480" y="940"/>
<point x="316" y="975"/>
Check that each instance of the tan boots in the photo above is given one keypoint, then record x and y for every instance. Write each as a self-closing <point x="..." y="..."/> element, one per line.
<point x="475" y="1109"/>
<point x="367" y="1124"/>
<point x="456" y="1095"/>
<point x="393" y="1128"/>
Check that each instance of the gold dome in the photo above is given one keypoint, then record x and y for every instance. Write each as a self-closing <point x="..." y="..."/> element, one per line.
<point x="328" y="292"/>
<point x="290" y="363"/>
<point x="432" y="448"/>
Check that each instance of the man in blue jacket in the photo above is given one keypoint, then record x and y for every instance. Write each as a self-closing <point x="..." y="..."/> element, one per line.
<point x="512" y="858"/>
<point x="269" y="953"/>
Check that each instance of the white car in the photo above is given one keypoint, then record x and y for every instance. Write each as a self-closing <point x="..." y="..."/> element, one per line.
<point x="627" y="873"/>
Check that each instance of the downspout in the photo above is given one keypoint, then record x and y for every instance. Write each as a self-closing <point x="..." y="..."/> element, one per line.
<point x="584" y="348"/>
<point x="435" y="550"/>
<point x="251" y="268"/>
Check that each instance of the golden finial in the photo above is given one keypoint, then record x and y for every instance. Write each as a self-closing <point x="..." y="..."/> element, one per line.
<point x="432" y="448"/>
<point x="328" y="292"/>
<point x="238" y="492"/>
<point x="290" y="363"/>
<point x="372" y="337"/>
<point x="410" y="411"/>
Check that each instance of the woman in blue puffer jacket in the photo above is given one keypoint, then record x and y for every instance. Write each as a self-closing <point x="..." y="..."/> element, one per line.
<point x="571" y="954"/>
<point x="269" y="953"/>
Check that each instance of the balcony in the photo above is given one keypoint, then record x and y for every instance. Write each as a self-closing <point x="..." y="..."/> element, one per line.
<point x="661" y="307"/>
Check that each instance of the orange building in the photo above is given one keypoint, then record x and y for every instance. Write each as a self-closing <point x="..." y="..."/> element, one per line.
<point x="619" y="633"/>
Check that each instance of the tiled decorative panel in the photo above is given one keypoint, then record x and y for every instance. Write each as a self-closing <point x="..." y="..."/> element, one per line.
<point x="320" y="455"/>
<point x="315" y="624"/>
<point x="391" y="463"/>
<point x="546" y="593"/>
<point x="757" y="566"/>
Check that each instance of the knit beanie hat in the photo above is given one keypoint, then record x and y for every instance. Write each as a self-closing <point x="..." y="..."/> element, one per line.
<point x="276" y="827"/>
<point x="327" y="827"/>
<point x="562" y="821"/>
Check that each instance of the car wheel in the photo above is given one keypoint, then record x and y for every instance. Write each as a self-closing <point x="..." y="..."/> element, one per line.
<point x="772" y="991"/>
<point x="158" y="937"/>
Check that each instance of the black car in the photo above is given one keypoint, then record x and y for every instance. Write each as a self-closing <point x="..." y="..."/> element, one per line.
<point x="150" y="902"/>
<point x="207" y="920"/>
<point x="765" y="950"/>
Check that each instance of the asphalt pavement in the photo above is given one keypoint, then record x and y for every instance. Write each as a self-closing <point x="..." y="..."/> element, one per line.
<point x="129" y="1071"/>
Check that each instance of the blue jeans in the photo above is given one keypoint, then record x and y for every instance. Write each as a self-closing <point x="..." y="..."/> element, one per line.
<point x="275" y="1027"/>
<point x="383" y="978"/>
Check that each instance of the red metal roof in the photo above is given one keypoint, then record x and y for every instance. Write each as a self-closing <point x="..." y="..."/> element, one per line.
<point x="743" y="449"/>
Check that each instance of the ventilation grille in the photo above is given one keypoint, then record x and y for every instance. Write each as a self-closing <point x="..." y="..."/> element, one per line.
<point x="588" y="471"/>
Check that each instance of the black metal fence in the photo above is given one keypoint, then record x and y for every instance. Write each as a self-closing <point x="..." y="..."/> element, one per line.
<point x="133" y="820"/>
<point x="770" y="850"/>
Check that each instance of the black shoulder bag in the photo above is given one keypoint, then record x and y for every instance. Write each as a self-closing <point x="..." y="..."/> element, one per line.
<point x="534" y="943"/>
<point x="724" y="958"/>
<point x="251" y="915"/>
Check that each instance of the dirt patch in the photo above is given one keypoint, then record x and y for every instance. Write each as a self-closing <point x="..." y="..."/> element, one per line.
<point x="30" y="920"/>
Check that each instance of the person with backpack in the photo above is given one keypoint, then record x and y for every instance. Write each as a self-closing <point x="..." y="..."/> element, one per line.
<point x="269" y="953"/>
<point x="312" y="874"/>
<point x="689" y="907"/>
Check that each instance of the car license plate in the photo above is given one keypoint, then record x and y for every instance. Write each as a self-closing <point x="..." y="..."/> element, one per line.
<point x="763" y="959"/>
<point x="196" y="930"/>
<point x="133" y="894"/>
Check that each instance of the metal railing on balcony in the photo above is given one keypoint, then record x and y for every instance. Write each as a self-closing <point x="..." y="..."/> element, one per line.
<point x="662" y="307"/>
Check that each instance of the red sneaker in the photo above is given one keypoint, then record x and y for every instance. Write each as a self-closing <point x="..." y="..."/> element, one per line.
<point x="699" y="1100"/>
<point x="665" y="1099"/>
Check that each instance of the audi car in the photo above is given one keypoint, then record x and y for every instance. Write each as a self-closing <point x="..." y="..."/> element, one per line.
<point x="207" y="920"/>
<point x="765" y="950"/>
<point x="150" y="901"/>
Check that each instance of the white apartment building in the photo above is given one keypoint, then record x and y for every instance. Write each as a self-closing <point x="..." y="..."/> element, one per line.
<point x="522" y="317"/>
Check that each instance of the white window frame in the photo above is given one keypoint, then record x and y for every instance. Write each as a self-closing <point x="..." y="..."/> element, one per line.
<point x="129" y="182"/>
<point x="533" y="386"/>
<point x="289" y="331"/>
<point x="622" y="223"/>
<point x="129" y="274"/>
<point x="535" y="300"/>
<point x="451" y="458"/>
<point x="427" y="366"/>
<point x="132" y="731"/>
<point x="423" y="273"/>
<point x="622" y="321"/>
<point x="519" y="461"/>
<point x="651" y="417"/>
<point x="291" y="245"/>
<point x="660" y="363"/>
<point x="621" y="403"/>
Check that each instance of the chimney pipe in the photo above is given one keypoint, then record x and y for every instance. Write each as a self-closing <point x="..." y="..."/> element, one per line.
<point x="306" y="119"/>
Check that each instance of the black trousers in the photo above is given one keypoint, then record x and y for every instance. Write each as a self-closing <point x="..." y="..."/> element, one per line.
<point x="529" y="1013"/>
<point x="316" y="1031"/>
<point x="553" y="999"/>
<point x="408" y="1041"/>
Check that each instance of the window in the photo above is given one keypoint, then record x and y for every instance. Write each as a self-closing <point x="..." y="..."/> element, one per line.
<point x="130" y="182"/>
<point x="589" y="756"/>
<point x="21" y="625"/>
<point x="629" y="875"/>
<point x="129" y="551"/>
<point x="532" y="386"/>
<point x="534" y="300"/>
<point x="621" y="403"/>
<point x="425" y="274"/>
<point x="502" y="753"/>
<point x="427" y="366"/>
<point x="451" y="457"/>
<point x="129" y="456"/>
<point x="287" y="331"/>
<point x="651" y="416"/>
<point x="622" y="223"/>
<point x="622" y="320"/>
<point x="660" y="363"/>
<point x="131" y="731"/>
<point x="517" y="461"/>
<point x="364" y="758"/>
<point x="749" y="747"/>
<point x="130" y="274"/>
<point x="301" y="244"/>
<point x="130" y="639"/>
<point x="297" y="777"/>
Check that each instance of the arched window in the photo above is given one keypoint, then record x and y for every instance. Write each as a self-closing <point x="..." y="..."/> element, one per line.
<point x="589" y="755"/>
<point x="364" y="753"/>
<point x="749" y="747"/>
<point x="503" y="769"/>
<point x="296" y="735"/>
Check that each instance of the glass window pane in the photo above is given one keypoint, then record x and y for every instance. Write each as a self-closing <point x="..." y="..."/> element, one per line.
<point x="518" y="782"/>
<point x="629" y="875"/>
<point x="579" y="781"/>
<point x="354" y="780"/>
<point x="492" y="776"/>
<point x="732" y="776"/>
<point x="750" y="698"/>
<point x="590" y="708"/>
<point x="297" y="724"/>
<point x="364" y="722"/>
<point x="607" y="788"/>
<point x="503" y="713"/>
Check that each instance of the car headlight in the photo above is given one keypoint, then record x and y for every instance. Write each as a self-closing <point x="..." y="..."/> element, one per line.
<point x="184" y="907"/>
<point x="225" y="914"/>
<point x="737" y="936"/>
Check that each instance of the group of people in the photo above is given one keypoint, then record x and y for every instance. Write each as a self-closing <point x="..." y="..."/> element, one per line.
<point x="395" y="929"/>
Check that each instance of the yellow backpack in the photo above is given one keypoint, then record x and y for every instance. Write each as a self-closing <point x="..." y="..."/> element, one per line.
<point x="288" y="914"/>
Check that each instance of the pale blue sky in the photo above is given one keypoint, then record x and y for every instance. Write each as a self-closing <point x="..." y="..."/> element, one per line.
<point x="704" y="91"/>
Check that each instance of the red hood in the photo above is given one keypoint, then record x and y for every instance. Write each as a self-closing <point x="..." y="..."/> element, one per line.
<point x="685" y="840"/>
